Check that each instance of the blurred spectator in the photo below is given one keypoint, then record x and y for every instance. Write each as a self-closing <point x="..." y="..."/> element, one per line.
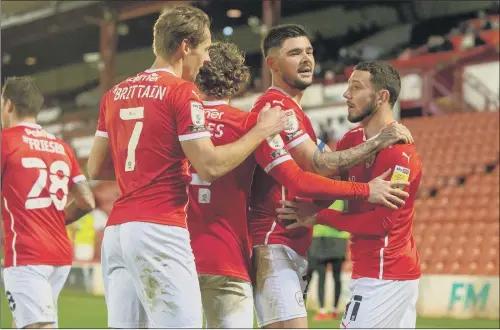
<point x="471" y="40"/>
<point x="317" y="70"/>
<point x="329" y="77"/>
<point x="437" y="44"/>
<point x="405" y="55"/>
<point x="485" y="23"/>
<point x="329" y="246"/>
<point x="323" y="134"/>
<point x="342" y="128"/>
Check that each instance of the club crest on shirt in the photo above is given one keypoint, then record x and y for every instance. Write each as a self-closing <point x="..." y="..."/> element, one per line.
<point x="197" y="114"/>
<point x="292" y="123"/>
<point x="370" y="161"/>
<point x="275" y="142"/>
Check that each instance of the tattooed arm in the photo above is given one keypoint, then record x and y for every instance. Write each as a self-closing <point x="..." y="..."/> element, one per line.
<point x="336" y="162"/>
<point x="331" y="163"/>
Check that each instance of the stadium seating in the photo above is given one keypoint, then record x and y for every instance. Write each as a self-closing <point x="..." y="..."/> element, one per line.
<point x="456" y="225"/>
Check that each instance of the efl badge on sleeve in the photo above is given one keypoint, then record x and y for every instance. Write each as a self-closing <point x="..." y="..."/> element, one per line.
<point x="197" y="113"/>
<point x="275" y="142"/>
<point x="292" y="123"/>
<point x="400" y="173"/>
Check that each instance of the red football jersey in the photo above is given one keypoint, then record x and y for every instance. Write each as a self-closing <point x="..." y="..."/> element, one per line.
<point x="393" y="256"/>
<point x="38" y="170"/>
<point x="266" y="192"/>
<point x="217" y="219"/>
<point x="144" y="118"/>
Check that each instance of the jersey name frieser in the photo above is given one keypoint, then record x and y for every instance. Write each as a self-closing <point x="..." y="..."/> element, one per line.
<point x="33" y="141"/>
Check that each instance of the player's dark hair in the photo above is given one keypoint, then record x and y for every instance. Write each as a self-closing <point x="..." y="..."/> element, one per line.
<point x="24" y="94"/>
<point x="177" y="24"/>
<point x="226" y="74"/>
<point x="277" y="34"/>
<point x="383" y="76"/>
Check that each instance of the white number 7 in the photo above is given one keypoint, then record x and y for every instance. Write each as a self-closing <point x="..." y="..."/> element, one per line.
<point x="132" y="114"/>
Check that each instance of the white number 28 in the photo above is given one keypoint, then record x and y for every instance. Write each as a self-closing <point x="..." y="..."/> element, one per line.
<point x="56" y="183"/>
<point x="132" y="114"/>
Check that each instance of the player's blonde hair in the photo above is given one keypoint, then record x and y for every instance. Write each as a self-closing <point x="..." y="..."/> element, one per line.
<point x="226" y="74"/>
<point x="178" y="24"/>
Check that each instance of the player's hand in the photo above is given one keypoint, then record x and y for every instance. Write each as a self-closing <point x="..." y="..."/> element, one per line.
<point x="298" y="211"/>
<point x="393" y="134"/>
<point x="387" y="193"/>
<point x="271" y="120"/>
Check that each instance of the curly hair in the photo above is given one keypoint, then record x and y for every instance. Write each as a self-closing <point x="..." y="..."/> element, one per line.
<point x="226" y="74"/>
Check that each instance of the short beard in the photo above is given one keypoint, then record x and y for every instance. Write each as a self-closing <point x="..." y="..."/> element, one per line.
<point x="297" y="83"/>
<point x="301" y="85"/>
<point x="367" y="112"/>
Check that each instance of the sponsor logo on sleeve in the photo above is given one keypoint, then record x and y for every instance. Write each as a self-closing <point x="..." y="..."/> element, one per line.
<point x="400" y="173"/>
<point x="278" y="153"/>
<point x="197" y="113"/>
<point x="197" y="117"/>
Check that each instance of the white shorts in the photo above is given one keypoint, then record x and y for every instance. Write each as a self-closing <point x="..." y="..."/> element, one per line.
<point x="32" y="292"/>
<point x="381" y="304"/>
<point x="227" y="301"/>
<point x="150" y="277"/>
<point x="279" y="284"/>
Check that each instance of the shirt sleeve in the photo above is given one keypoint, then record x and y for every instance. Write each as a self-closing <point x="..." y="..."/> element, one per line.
<point x="296" y="133"/>
<point x="101" y="122"/>
<point x="271" y="153"/>
<point x="277" y="162"/>
<point x="76" y="172"/>
<point x="189" y="112"/>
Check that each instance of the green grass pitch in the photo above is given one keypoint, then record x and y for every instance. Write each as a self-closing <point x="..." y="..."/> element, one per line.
<point x="79" y="310"/>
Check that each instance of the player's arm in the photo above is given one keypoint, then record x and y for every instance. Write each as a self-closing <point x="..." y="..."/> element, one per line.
<point x="332" y="163"/>
<point x="100" y="162"/>
<point x="377" y="222"/>
<point x="83" y="200"/>
<point x="212" y="162"/>
<point x="277" y="163"/>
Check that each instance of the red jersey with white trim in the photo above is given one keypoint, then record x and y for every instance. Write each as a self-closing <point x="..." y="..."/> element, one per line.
<point x="145" y="117"/>
<point x="217" y="218"/>
<point x="395" y="256"/>
<point x="38" y="170"/>
<point x="266" y="192"/>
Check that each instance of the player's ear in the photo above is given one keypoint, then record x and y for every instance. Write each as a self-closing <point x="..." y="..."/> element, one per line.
<point x="9" y="106"/>
<point x="184" y="47"/>
<point x="384" y="96"/>
<point x="271" y="62"/>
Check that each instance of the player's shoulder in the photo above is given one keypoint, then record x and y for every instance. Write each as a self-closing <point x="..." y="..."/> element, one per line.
<point x="401" y="154"/>
<point x="351" y="138"/>
<point x="276" y="97"/>
<point x="356" y="131"/>
<point x="398" y="149"/>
